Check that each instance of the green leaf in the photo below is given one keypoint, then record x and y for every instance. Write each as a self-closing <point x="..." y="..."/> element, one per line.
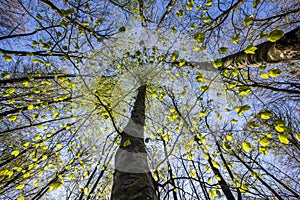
<point x="263" y="142"/>
<point x="209" y="3"/>
<point x="244" y="90"/>
<point x="202" y="113"/>
<point x="283" y="138"/>
<point x="207" y="19"/>
<point x="212" y="193"/>
<point x="179" y="13"/>
<point x="13" y="118"/>
<point x="235" y="39"/>
<point x="250" y="49"/>
<point x="174" y="55"/>
<point x="275" y="35"/>
<point x="274" y="72"/>
<point x="5" y="75"/>
<point x="229" y="137"/>
<point x="21" y="186"/>
<point x="39" y="16"/>
<point x="253" y="124"/>
<point x="244" y="188"/>
<point x="204" y="88"/>
<point x="7" y="58"/>
<point x="255" y="3"/>
<point x="241" y="109"/>
<point x="248" y="20"/>
<point x="264" y="75"/>
<point x="281" y="128"/>
<point x="30" y="107"/>
<point x="199" y="77"/>
<point x="246" y="146"/>
<point x="199" y="37"/>
<point x="226" y="146"/>
<point x="15" y="153"/>
<point x="127" y="143"/>
<point x="190" y="5"/>
<point x="266" y="114"/>
<point x="122" y="29"/>
<point x="55" y="185"/>
<point x="218" y="63"/>
<point x="223" y="50"/>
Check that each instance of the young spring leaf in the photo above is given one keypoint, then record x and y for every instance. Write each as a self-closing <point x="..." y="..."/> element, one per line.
<point x="250" y="49"/>
<point x="55" y="185"/>
<point x="283" y="138"/>
<point x="275" y="35"/>
<point x="247" y="146"/>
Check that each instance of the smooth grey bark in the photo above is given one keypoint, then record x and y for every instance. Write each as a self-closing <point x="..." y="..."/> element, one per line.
<point x="132" y="177"/>
<point x="285" y="49"/>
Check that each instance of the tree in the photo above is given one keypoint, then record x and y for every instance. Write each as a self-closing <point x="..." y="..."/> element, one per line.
<point x="150" y="100"/>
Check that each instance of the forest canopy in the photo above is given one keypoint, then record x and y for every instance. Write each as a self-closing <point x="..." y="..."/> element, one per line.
<point x="144" y="99"/>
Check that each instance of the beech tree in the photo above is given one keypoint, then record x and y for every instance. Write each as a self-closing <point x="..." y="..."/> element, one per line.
<point x="149" y="99"/>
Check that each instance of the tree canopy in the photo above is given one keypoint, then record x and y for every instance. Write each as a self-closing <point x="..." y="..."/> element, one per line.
<point x="120" y="99"/>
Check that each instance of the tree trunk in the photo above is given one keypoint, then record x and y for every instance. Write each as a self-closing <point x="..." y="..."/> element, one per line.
<point x="285" y="49"/>
<point x="132" y="176"/>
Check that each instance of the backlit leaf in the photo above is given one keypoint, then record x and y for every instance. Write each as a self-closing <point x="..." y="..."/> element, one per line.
<point x="274" y="72"/>
<point x="15" y="153"/>
<point x="250" y="49"/>
<point x="55" y="185"/>
<point x="255" y="3"/>
<point x="248" y="20"/>
<point x="263" y="142"/>
<point x="264" y="75"/>
<point x="266" y="114"/>
<point x="127" y="143"/>
<point x="246" y="146"/>
<point x="21" y="186"/>
<point x="244" y="90"/>
<point x="229" y="137"/>
<point x="241" y="109"/>
<point x="275" y="35"/>
<point x="199" y="37"/>
<point x="223" y="50"/>
<point x="7" y="58"/>
<point x="5" y="75"/>
<point x="283" y="138"/>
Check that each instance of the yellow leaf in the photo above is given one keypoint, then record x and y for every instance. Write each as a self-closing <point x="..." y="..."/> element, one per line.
<point x="59" y="146"/>
<point x="217" y="178"/>
<point x="229" y="137"/>
<point x="71" y="176"/>
<point x="264" y="142"/>
<point x="15" y="153"/>
<point x="21" y="186"/>
<point x="212" y="194"/>
<point x="298" y="136"/>
<point x="283" y="138"/>
<point x="36" y="183"/>
<point x="55" y="185"/>
<point x="244" y="188"/>
<point x="247" y="146"/>
<point x="13" y="118"/>
<point x="30" y="107"/>
<point x="127" y="143"/>
<point x="202" y="113"/>
<point x="44" y="157"/>
<point x="193" y="174"/>
<point x="26" y="144"/>
<point x="21" y="198"/>
<point x="280" y="128"/>
<point x="86" y="190"/>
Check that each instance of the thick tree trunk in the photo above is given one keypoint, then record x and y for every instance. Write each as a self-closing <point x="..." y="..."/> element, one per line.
<point x="284" y="50"/>
<point x="132" y="176"/>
